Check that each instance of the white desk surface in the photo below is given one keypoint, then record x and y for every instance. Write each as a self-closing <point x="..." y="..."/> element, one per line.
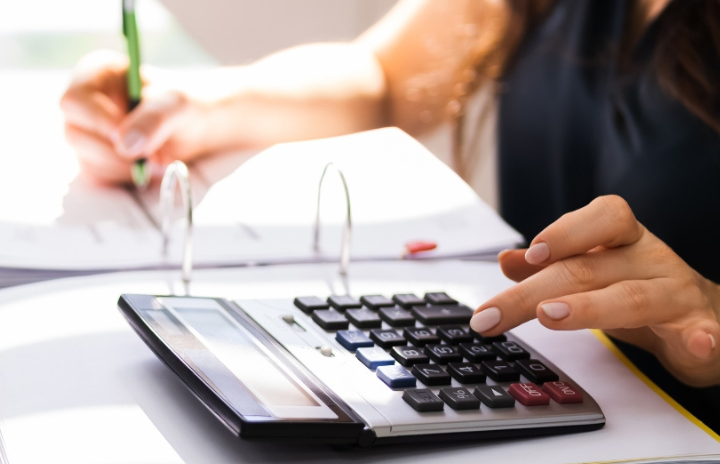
<point x="77" y="385"/>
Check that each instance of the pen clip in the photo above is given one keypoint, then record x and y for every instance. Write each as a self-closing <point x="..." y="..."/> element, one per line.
<point x="345" y="250"/>
<point x="177" y="173"/>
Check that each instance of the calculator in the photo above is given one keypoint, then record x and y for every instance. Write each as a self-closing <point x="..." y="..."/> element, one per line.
<point x="358" y="370"/>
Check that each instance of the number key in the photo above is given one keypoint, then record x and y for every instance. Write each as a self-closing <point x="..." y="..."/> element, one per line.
<point x="510" y="351"/>
<point x="431" y="374"/>
<point x="466" y="373"/>
<point x="420" y="336"/>
<point x="477" y="352"/>
<point x="500" y="371"/>
<point x="409" y="355"/>
<point x="443" y="354"/>
<point x="387" y="338"/>
<point x="535" y="371"/>
<point x="453" y="334"/>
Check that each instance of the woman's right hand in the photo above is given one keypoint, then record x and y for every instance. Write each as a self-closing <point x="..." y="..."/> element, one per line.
<point x="167" y="124"/>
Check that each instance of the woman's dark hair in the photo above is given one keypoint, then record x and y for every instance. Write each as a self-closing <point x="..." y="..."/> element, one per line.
<point x="686" y="57"/>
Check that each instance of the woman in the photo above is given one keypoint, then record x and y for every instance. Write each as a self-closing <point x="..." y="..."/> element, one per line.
<point x="608" y="112"/>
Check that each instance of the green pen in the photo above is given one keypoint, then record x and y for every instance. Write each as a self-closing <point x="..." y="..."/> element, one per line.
<point x="134" y="83"/>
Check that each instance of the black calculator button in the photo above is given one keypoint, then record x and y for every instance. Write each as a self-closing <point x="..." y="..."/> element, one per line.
<point x="535" y="371"/>
<point x="494" y="396"/>
<point x="500" y="371"/>
<point x="453" y="334"/>
<point x="420" y="336"/>
<point x="363" y="318"/>
<point x="309" y="304"/>
<point x="510" y="351"/>
<point x="387" y="338"/>
<point x="409" y="355"/>
<point x="431" y="374"/>
<point x="329" y="319"/>
<point x="343" y="302"/>
<point x="436" y="315"/>
<point x="376" y="302"/>
<point x="477" y="352"/>
<point x="443" y="354"/>
<point x="423" y="400"/>
<point x="459" y="398"/>
<point x="440" y="298"/>
<point x="488" y="340"/>
<point x="466" y="373"/>
<point x="397" y="316"/>
<point x="407" y="300"/>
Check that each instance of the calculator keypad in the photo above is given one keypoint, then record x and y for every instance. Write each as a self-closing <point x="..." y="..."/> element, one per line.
<point x="386" y="338"/>
<point x="437" y="348"/>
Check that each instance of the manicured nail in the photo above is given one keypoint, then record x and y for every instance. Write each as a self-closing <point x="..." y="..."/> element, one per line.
<point x="538" y="253"/>
<point x="556" y="311"/>
<point x="134" y="142"/>
<point x="485" y="320"/>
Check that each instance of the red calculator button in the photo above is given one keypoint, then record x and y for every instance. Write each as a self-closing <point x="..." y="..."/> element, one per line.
<point x="529" y="394"/>
<point x="562" y="392"/>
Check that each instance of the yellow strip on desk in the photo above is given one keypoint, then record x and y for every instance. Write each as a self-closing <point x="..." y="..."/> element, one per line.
<point x="619" y="354"/>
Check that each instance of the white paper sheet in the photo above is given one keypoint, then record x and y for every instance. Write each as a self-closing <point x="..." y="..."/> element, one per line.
<point x="263" y="212"/>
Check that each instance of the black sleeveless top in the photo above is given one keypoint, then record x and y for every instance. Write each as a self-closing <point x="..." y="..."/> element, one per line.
<point x="573" y="125"/>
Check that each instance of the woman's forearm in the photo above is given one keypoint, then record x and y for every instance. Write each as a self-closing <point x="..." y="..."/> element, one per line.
<point x="311" y="91"/>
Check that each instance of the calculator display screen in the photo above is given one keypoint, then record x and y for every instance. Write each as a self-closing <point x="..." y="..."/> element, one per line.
<point x="244" y="358"/>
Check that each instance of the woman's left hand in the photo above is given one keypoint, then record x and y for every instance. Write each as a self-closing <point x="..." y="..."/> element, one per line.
<point x="598" y="267"/>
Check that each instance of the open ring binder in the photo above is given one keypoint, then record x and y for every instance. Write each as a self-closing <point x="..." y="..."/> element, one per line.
<point x="177" y="173"/>
<point x="345" y="250"/>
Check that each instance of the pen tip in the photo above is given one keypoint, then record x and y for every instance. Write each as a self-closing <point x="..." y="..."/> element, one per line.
<point x="139" y="174"/>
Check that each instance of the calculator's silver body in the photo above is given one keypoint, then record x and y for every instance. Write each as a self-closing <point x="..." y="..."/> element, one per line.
<point x="267" y="371"/>
<point x="383" y="408"/>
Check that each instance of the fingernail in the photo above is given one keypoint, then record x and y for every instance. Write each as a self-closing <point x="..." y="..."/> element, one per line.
<point x="485" y="320"/>
<point x="537" y="253"/>
<point x="712" y="341"/>
<point x="134" y="142"/>
<point x="556" y="311"/>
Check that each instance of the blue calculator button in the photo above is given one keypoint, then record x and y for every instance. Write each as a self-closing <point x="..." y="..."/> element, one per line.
<point x="374" y="357"/>
<point x="353" y="339"/>
<point x="396" y="376"/>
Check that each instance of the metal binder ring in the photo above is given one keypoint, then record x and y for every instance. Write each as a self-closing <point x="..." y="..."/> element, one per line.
<point x="345" y="250"/>
<point x="177" y="172"/>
